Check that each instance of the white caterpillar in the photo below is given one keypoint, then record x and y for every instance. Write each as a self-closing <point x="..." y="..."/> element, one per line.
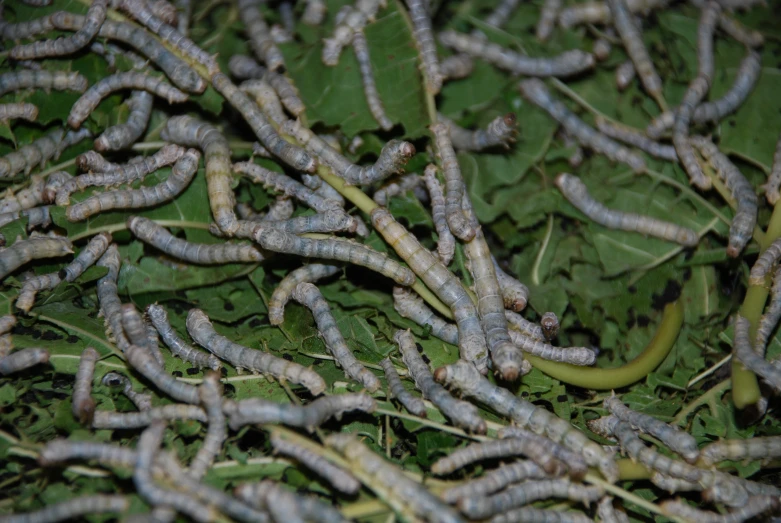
<point x="243" y="67"/>
<point x="446" y="242"/>
<point x="308" y="273"/>
<point x="412" y="403"/>
<point x="46" y="80"/>
<point x="83" y="402"/>
<point x="23" y="111"/>
<point x="632" y="38"/>
<point x="25" y="251"/>
<point x="75" y="508"/>
<point x="22" y="359"/>
<point x="427" y="47"/>
<point x="637" y="139"/>
<point x="361" y="48"/>
<point x="122" y="136"/>
<point x="455" y="189"/>
<point x="499" y="133"/>
<point x="210" y="394"/>
<point x="259" y="37"/>
<point x="141" y="400"/>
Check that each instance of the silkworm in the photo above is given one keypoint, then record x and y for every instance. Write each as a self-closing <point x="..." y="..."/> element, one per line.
<point x="637" y="139"/>
<point x="111" y="420"/>
<point x="602" y="49"/>
<point x="7" y="323"/>
<point x="427" y="47"/>
<point x="456" y="67"/>
<point x="181" y="175"/>
<point x="756" y="506"/>
<point x="400" y="185"/>
<point x="599" y="12"/>
<point x="550" y="325"/>
<point x="323" y="189"/>
<point x="566" y="64"/>
<point x="632" y="38"/>
<point x="62" y="450"/>
<point x="26" y="198"/>
<point x="548" y="16"/>
<point x="348" y="21"/>
<point x="499" y="133"/>
<point x="22" y="359"/>
<point x="539" y="515"/>
<point x="202" y="331"/>
<point x="143" y="336"/>
<point x="108" y="295"/>
<point x="6" y="345"/>
<point x="259" y="38"/>
<point x="164" y="10"/>
<point x="738" y="450"/>
<point x="37" y="216"/>
<point x="288" y="153"/>
<point x="159" y="319"/>
<point x="446" y="243"/>
<point x="244" y="67"/>
<point x="266" y="97"/>
<point x="673" y="438"/>
<point x="672" y="485"/>
<point x="31" y="155"/>
<point x="23" y="111"/>
<point x="36" y="248"/>
<point x="210" y="394"/>
<point x="75" y="508"/>
<point x="403" y="494"/>
<point x="550" y="451"/>
<point x="284" y="505"/>
<point x="495" y="480"/>
<point x="361" y="48"/>
<point x="27" y="29"/>
<point x="275" y="240"/>
<point x="410" y="305"/>
<point x="525" y="493"/>
<point x="535" y="91"/>
<point x="46" y="80"/>
<point x="466" y="378"/>
<point x="742" y="227"/>
<point x="65" y="45"/>
<point x="314" y="12"/>
<point x="412" y="403"/>
<point x="769" y="320"/>
<point x="608" y="513"/>
<point x="122" y="136"/>
<point x="331" y="220"/>
<point x="282" y="294"/>
<point x="37" y="3"/>
<point x="136" y="80"/>
<point x="514" y="293"/>
<point x="471" y="341"/>
<point x="337" y="477"/>
<point x="460" y="224"/>
<point x="261" y="411"/>
<point x="184" y="10"/>
<point x="308" y="295"/>
<point x="503" y="448"/>
<point x="141" y="359"/>
<point x="141" y="400"/>
<point x="462" y="414"/>
<point x="83" y="402"/>
<point x="577" y="194"/>
<point x="31" y="286"/>
<point x="87" y="257"/>
<point x="52" y="185"/>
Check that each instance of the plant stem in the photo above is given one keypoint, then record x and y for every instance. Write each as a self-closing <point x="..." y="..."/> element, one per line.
<point x="702" y="400"/>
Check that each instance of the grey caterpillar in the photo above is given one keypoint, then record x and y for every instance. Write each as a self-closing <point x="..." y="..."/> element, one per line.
<point x="446" y="242"/>
<point x="409" y="305"/>
<point x="25" y="251"/>
<point x="75" y="508"/>
<point x="749" y="357"/>
<point x="159" y="319"/>
<point x="548" y="16"/>
<point x="361" y="48"/>
<point x="27" y="157"/>
<point x="108" y="295"/>
<point x="400" y="185"/>
<point x="773" y="183"/>
<point x="65" y="45"/>
<point x="37" y="216"/>
<point x="769" y="319"/>
<point x="329" y="221"/>
<point x="259" y="37"/>
<point x="764" y="263"/>
<point x="282" y="294"/>
<point x="122" y="136"/>
<point x="23" y="111"/>
<point x="455" y="190"/>
<point x="244" y="67"/>
<point x="632" y="38"/>
<point x="27" y="29"/>
<point x="514" y="293"/>
<point x="755" y="506"/>
<point x="287" y="506"/>
<point x="210" y="394"/>
<point x="87" y="257"/>
<point x="62" y="450"/>
<point x="282" y="183"/>
<point x="495" y="480"/>
<point x="27" y="198"/>
<point x="427" y="47"/>
<point x="760" y="448"/>
<point x="314" y="13"/>
<point x="202" y="331"/>
<point x="540" y="515"/>
<point x="308" y="295"/>
<point x="22" y="359"/>
<point x="538" y="347"/>
<point x="733" y="28"/>
<point x="412" y="403"/>
<point x="599" y="12"/>
<point x="577" y="194"/>
<point x="144" y="363"/>
<point x="32" y="286"/>
<point x="575" y="463"/>
<point x="568" y="63"/>
<point x="608" y="513"/>
<point x="83" y="402"/>
<point x="456" y="66"/>
<point x="625" y="75"/>
<point x="637" y="139"/>
<point x="141" y="400"/>
<point x="267" y="98"/>
<point x="7" y="323"/>
<point x="46" y="80"/>
<point x="348" y="20"/>
<point x="462" y="414"/>
<point x="499" y="133"/>
<point x="111" y="420"/>
<point x="501" y="449"/>
<point x="323" y="189"/>
<point x="136" y="80"/>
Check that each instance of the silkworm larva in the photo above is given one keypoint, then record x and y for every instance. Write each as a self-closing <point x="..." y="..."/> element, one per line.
<point x="741" y="229"/>
<point x="755" y="506"/>
<point x="548" y="16"/>
<point x="566" y="64"/>
<point x="65" y="45"/>
<point x="608" y="513"/>
<point x="7" y="323"/>
<point x="284" y="505"/>
<point x="292" y="155"/>
<point x="575" y="463"/>
<point x="764" y="263"/>
<point x="329" y="221"/>
<point x="281" y="295"/>
<point x="678" y="441"/>
<point x="122" y="136"/>
<point x="456" y="66"/>
<point x="31" y="196"/>
<point x="427" y="47"/>
<point x="259" y="37"/>
<point x="514" y="293"/>
<point x="210" y="394"/>
<point x="275" y="240"/>
<point x="156" y="85"/>
<point x="539" y="515"/>
<point x="337" y="477"/>
<point x="503" y="448"/>
<point x="159" y="319"/>
<point x="637" y="139"/>
<point x="22" y="359"/>
<point x="577" y="194"/>
<point x="282" y="183"/>
<point x="400" y="185"/>
<point x="32" y="286"/>
<point x="31" y="155"/>
<point x="23" y="111"/>
<point x="83" y="402"/>
<point x="24" y="251"/>
<point x="141" y="400"/>
<point x="550" y="325"/>
<point x="446" y="242"/>
<point x="499" y="133"/>
<point x="142" y="335"/>
<point x="462" y="414"/>
<point x="348" y="20"/>
<point x="409" y="305"/>
<point x="471" y="340"/>
<point x="525" y="493"/>
<point x="308" y="295"/>
<point x="599" y="12"/>
<point x="62" y="450"/>
<point x="769" y="320"/>
<point x="111" y="420"/>
<point x="495" y="480"/>
<point x="244" y="67"/>
<point x="46" y="80"/>
<point x="455" y="188"/>
<point x="310" y="416"/>
<point x="181" y="175"/>
<point x="771" y="187"/>
<point x="632" y="38"/>
<point x="87" y="257"/>
<point x="108" y="295"/>
<point x="37" y="216"/>
<point x="672" y="485"/>
<point x="164" y="10"/>
<point x="52" y="185"/>
<point x="760" y="448"/>
<point x="184" y="10"/>
<point x="403" y="494"/>
<point x="6" y="345"/>
<point x="266" y="97"/>
<point x="361" y="48"/>
<point x="466" y="378"/>
<point x="412" y="403"/>
<point x="75" y="508"/>
<point x="37" y="3"/>
<point x="602" y="49"/>
<point x="535" y="91"/>
<point x="141" y="360"/>
<point x="202" y="331"/>
<point x="314" y="13"/>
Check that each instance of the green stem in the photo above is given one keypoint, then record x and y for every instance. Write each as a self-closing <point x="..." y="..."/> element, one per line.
<point x="605" y="379"/>
<point x="714" y="392"/>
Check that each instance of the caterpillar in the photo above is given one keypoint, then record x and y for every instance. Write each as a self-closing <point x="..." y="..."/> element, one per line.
<point x="495" y="480"/>
<point x="401" y="185"/>
<point x="539" y="515"/>
<point x="27" y="29"/>
<point x="460" y="224"/>
<point x="576" y="193"/>
<point x="535" y="91"/>
<point x="108" y="295"/>
<point x="547" y="20"/>
<point x="159" y="319"/>
<point x="22" y="359"/>
<point x="764" y="263"/>
<point x="749" y="357"/>
<point x="244" y="67"/>
<point x="258" y="410"/>
<point x="28" y="156"/>
<point x="46" y="80"/>
<point x="514" y="293"/>
<point x="575" y="463"/>
<point x="284" y="505"/>
<point x="122" y="136"/>
<point x="771" y="187"/>
<point x="524" y="326"/>
<point x="75" y="508"/>
<point x="739" y="450"/>
<point x="23" y="111"/>
<point x="7" y="323"/>
<point x="37" y="216"/>
<point x="65" y="45"/>
<point x="181" y="175"/>
<point x="706" y="64"/>
<point x="266" y="97"/>
<point x="26" y="198"/>
<point x="525" y="493"/>
<point x="143" y="336"/>
<point x="143" y="362"/>
<point x="501" y="13"/>
<point x="550" y="325"/>
<point x="413" y="404"/>
<point x="210" y="394"/>
<point x="282" y="294"/>
<point x="499" y="449"/>
<point x="329" y="221"/>
<point x="31" y="286"/>
<point x="737" y="31"/>
<point x="427" y="47"/>
<point x="465" y="377"/>
<point x="566" y="64"/>
<point x="602" y="49"/>
<point x="87" y="257"/>
<point x="348" y="21"/>
<point x="136" y="80"/>
<point x="456" y="67"/>
<point x="632" y="39"/>
<point x="337" y="477"/>
<point x="62" y="450"/>
<point x="499" y="133"/>
<point x="282" y="183"/>
<point x="770" y="318"/>
<point x="755" y="506"/>
<point x="141" y="400"/>
<point x="409" y="305"/>
<point x="164" y="10"/>
<point x="582" y="356"/>
<point x="637" y="139"/>
<point x="742" y="227"/>
<point x="110" y="420"/>
<point x="471" y="341"/>
<point x="202" y="331"/>
<point x="403" y="494"/>
<point x="309" y="296"/>
<point x="259" y="38"/>
<point x="83" y="402"/>
<point x="361" y="49"/>
<point x="446" y="242"/>
<point x="314" y="13"/>
<point x="608" y="513"/>
<point x="36" y="248"/>
<point x="599" y="12"/>
<point x="461" y="413"/>
<point x="184" y="10"/>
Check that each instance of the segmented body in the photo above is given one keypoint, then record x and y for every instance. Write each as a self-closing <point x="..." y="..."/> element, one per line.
<point x="210" y="394"/>
<point x="427" y="47"/>
<point x="141" y="400"/>
<point x="741" y="449"/>
<point x="455" y="189"/>
<point x="308" y="273"/>
<point x="75" y="508"/>
<point x="495" y="480"/>
<point x="32" y="286"/>
<point x="143" y="362"/>
<point x="771" y="316"/>
<point x="503" y="448"/>
<point x="23" y="111"/>
<point x="122" y="136"/>
<point x="456" y="67"/>
<point x="599" y="12"/>
<point x="349" y="20"/>
<point x="31" y="196"/>
<point x="314" y="13"/>
<point x="412" y="403"/>
<point x="259" y="37"/>
<point x="548" y="14"/>
<point x="446" y="242"/>
<point x="108" y="295"/>
<point x="286" y="185"/>
<point x="24" y="251"/>
<point x="111" y="420"/>
<point x="632" y="38"/>
<point x="329" y="221"/>
<point x="266" y="97"/>
<point x="22" y="359"/>
<point x="394" y="187"/>
<point x="159" y="319"/>
<point x="410" y="305"/>
<point x="499" y="133"/>
<point x="539" y="515"/>
<point x="361" y="48"/>
<point x="755" y="506"/>
<point x="764" y="263"/>
<point x="87" y="257"/>
<point x="83" y="403"/>
<point x="284" y="505"/>
<point x="637" y="139"/>
<point x="27" y="157"/>
<point x="244" y="67"/>
<point x="46" y="80"/>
